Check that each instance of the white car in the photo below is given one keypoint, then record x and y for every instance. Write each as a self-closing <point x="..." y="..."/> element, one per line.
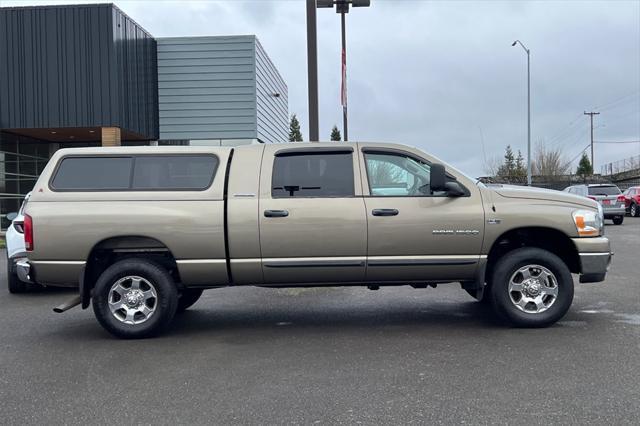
<point x="15" y="249"/>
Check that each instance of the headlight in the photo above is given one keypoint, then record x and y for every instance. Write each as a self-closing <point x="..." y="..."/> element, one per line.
<point x="589" y="223"/>
<point x="601" y="218"/>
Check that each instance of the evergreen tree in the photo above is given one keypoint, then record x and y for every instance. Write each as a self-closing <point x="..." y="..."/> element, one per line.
<point x="335" y="134"/>
<point x="584" y="167"/>
<point x="507" y="169"/>
<point x="294" y="130"/>
<point x="520" y="168"/>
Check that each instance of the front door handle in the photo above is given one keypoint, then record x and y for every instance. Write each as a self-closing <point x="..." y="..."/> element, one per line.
<point x="385" y="212"/>
<point x="276" y="213"/>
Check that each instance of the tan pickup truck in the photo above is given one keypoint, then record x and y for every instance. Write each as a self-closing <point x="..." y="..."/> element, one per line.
<point x="141" y="231"/>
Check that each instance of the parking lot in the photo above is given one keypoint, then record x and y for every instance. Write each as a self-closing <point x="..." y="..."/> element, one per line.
<point x="331" y="355"/>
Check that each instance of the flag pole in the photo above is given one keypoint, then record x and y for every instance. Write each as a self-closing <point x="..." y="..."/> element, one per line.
<point x="344" y="80"/>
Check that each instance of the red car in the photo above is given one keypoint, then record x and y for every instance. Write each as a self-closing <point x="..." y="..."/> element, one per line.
<point x="632" y="200"/>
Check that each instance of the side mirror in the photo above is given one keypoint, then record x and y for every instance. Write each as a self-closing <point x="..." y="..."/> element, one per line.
<point x="454" y="189"/>
<point x="438" y="177"/>
<point x="11" y="216"/>
<point x="439" y="182"/>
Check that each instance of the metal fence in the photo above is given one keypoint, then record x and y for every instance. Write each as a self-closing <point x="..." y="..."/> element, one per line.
<point x="620" y="166"/>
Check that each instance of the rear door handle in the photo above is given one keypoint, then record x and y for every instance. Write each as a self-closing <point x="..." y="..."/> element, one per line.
<point x="276" y="213"/>
<point x="385" y="212"/>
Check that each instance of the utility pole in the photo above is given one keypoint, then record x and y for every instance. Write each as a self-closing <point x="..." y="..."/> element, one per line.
<point x="591" y="114"/>
<point x="312" y="69"/>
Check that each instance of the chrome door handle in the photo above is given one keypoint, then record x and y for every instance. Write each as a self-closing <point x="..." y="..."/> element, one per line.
<point x="276" y="213"/>
<point x="385" y="212"/>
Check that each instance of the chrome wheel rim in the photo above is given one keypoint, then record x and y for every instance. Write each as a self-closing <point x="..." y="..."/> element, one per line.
<point x="633" y="210"/>
<point x="533" y="289"/>
<point x="132" y="300"/>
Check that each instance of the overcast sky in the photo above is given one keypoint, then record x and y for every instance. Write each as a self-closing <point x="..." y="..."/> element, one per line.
<point x="442" y="75"/>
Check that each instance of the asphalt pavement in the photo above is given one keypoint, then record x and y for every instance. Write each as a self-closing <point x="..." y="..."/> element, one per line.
<point x="331" y="355"/>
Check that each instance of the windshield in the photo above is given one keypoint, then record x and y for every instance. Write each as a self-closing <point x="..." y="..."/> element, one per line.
<point x="604" y="190"/>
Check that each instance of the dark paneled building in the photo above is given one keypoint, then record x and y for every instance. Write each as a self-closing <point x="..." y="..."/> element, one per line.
<point x="80" y="75"/>
<point x="76" y="67"/>
<point x="88" y="75"/>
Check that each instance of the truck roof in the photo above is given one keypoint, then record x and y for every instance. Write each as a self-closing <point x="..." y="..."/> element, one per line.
<point x="173" y="149"/>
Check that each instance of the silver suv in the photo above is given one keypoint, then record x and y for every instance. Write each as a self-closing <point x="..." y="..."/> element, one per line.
<point x="607" y="195"/>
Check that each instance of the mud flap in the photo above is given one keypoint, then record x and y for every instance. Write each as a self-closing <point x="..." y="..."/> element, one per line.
<point x="85" y="291"/>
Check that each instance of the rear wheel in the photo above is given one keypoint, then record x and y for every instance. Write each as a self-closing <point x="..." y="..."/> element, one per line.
<point x="617" y="220"/>
<point x="135" y="298"/>
<point x="188" y="297"/>
<point x="531" y="287"/>
<point x="634" y="211"/>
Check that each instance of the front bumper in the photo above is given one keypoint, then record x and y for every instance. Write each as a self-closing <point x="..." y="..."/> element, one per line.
<point x="595" y="258"/>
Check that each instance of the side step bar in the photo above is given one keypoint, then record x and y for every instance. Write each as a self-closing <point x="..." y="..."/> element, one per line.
<point x="75" y="301"/>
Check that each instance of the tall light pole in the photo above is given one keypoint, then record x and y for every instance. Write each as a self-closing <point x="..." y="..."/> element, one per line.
<point x="342" y="7"/>
<point x="528" y="109"/>
<point x="312" y="69"/>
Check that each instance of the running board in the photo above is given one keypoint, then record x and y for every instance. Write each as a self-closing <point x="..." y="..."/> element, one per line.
<point x="75" y="301"/>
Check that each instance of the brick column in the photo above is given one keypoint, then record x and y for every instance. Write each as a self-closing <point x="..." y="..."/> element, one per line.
<point x="110" y="136"/>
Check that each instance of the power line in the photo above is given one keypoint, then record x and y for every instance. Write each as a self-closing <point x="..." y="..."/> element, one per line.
<point x="616" y="141"/>
<point x="617" y="100"/>
<point x="576" y="157"/>
<point x="572" y="138"/>
<point x="563" y="130"/>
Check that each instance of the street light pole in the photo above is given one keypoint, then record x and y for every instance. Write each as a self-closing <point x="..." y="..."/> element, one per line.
<point x="312" y="69"/>
<point x="528" y="109"/>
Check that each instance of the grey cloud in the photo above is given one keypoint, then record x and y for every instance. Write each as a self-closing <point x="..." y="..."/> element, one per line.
<point x="432" y="73"/>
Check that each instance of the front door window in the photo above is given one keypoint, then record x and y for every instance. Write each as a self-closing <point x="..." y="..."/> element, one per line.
<point x="397" y="175"/>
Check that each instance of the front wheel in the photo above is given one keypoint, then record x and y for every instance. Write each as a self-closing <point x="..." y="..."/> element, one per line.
<point x="531" y="287"/>
<point x="135" y="298"/>
<point x="617" y="220"/>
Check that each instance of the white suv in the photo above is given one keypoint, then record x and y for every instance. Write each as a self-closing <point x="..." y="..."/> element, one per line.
<point x="607" y="195"/>
<point x="15" y="249"/>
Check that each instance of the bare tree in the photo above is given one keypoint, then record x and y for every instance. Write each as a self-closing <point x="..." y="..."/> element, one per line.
<point x="383" y="173"/>
<point x="492" y="165"/>
<point x="548" y="161"/>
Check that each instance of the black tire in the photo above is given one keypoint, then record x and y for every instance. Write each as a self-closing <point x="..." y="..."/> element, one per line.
<point x="617" y="220"/>
<point x="188" y="297"/>
<point x="501" y="298"/>
<point x="634" y="210"/>
<point x="153" y="275"/>
<point x="13" y="282"/>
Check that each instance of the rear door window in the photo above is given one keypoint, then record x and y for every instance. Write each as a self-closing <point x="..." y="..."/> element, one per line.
<point x="604" y="190"/>
<point x="174" y="172"/>
<point x="323" y="174"/>
<point x="135" y="173"/>
<point x="93" y="174"/>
